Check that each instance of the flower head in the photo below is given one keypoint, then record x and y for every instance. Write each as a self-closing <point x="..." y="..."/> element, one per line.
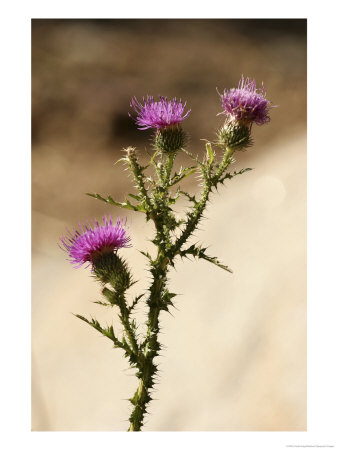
<point x="90" y="241"/>
<point x="158" y="115"/>
<point x="246" y="104"/>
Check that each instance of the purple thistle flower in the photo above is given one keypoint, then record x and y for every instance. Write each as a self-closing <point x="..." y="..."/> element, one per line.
<point x="161" y="114"/>
<point x="246" y="104"/>
<point x="92" y="240"/>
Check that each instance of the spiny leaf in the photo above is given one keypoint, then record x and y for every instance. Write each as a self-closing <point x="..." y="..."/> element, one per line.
<point x="199" y="252"/>
<point x="152" y="159"/>
<point x="173" y="200"/>
<point x="102" y="303"/>
<point x="111" y="201"/>
<point x="192" y="156"/>
<point x="135" y="197"/>
<point x="182" y="174"/>
<point x="111" y="296"/>
<point x="215" y="261"/>
<point x="230" y="175"/>
<point x="123" y="159"/>
<point x="95" y="324"/>
<point x="97" y="196"/>
<point x="191" y="198"/>
<point x="147" y="255"/>
<point x="132" y="306"/>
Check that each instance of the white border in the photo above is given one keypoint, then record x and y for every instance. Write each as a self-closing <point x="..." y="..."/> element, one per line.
<point x="322" y="222"/>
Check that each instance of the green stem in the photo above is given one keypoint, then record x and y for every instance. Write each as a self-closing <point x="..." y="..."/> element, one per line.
<point x="225" y="162"/>
<point x="167" y="169"/>
<point x="157" y="301"/>
<point x="137" y="172"/>
<point x="151" y="347"/>
<point x="195" y="216"/>
<point x="129" y="332"/>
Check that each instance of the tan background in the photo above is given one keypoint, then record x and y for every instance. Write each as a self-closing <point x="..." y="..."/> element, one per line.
<point x="235" y="356"/>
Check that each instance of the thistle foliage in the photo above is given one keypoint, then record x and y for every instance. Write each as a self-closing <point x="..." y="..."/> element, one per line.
<point x="156" y="197"/>
<point x="158" y="187"/>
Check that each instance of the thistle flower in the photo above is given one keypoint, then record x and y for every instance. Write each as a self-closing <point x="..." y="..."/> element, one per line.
<point x="234" y="136"/>
<point x="246" y="104"/>
<point x="91" y="241"/>
<point x="158" y="115"/>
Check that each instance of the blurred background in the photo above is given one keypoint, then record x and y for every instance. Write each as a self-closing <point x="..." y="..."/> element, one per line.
<point x="235" y="346"/>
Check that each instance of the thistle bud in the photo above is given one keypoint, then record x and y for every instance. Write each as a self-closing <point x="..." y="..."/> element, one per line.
<point x="170" y="139"/>
<point x="111" y="268"/>
<point x="234" y="136"/>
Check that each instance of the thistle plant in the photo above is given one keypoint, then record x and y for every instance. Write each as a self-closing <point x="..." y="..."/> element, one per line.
<point x="158" y="190"/>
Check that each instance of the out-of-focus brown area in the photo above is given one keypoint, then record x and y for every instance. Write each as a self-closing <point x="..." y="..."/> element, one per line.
<point x="235" y="350"/>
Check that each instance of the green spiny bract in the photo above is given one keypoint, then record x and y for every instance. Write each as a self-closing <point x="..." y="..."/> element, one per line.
<point x="170" y="139"/>
<point x="234" y="136"/>
<point x="110" y="268"/>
